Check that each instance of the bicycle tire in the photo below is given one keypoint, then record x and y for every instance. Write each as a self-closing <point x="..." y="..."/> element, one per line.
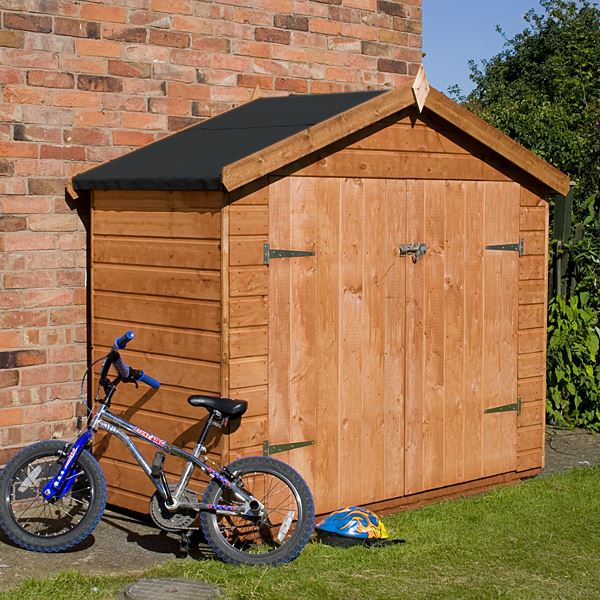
<point x="23" y="508"/>
<point x="282" y="532"/>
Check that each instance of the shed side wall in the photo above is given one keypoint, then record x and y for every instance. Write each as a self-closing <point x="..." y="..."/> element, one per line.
<point x="533" y="309"/>
<point x="156" y="264"/>
<point x="247" y="343"/>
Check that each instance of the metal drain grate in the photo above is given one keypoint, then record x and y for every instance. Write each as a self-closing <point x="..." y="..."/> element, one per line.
<point x="167" y="589"/>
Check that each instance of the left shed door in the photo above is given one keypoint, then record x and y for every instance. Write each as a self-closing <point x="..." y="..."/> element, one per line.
<point x="156" y="268"/>
<point x="336" y="328"/>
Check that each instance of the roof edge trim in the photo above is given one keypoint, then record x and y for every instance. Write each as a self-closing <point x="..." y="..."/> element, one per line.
<point x="278" y="155"/>
<point x="497" y="141"/>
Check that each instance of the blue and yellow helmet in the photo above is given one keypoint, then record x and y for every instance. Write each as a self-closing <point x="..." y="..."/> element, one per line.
<point x="351" y="525"/>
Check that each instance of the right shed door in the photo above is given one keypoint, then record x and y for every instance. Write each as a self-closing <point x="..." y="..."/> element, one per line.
<point x="461" y="332"/>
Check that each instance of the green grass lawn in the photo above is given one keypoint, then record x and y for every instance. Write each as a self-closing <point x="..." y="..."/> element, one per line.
<point x="538" y="539"/>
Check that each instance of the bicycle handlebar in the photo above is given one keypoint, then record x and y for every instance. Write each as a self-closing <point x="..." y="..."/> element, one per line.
<point x="124" y="370"/>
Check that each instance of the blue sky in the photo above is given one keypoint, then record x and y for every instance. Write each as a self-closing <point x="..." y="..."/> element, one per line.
<point x="455" y="31"/>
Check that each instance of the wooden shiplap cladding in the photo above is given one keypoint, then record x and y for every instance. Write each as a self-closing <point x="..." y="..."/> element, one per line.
<point x="156" y="269"/>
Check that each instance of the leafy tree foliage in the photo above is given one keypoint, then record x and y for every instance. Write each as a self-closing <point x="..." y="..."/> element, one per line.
<point x="543" y="90"/>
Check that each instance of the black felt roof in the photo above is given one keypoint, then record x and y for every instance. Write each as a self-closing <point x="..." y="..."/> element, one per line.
<point x="193" y="159"/>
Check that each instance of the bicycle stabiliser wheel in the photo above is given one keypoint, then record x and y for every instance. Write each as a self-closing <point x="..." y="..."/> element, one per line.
<point x="32" y="522"/>
<point x="277" y="535"/>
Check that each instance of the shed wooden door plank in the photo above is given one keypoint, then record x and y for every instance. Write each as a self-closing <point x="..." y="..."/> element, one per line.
<point x="395" y="337"/>
<point x="351" y="327"/>
<point x="474" y="324"/>
<point x="328" y="343"/>
<point x="454" y="335"/>
<point x="376" y="256"/>
<point x="303" y="314"/>
<point x="434" y="347"/>
<point x="415" y="359"/>
<point x="279" y="316"/>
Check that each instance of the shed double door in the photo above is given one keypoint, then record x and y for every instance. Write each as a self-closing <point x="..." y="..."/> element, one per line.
<point x="386" y="364"/>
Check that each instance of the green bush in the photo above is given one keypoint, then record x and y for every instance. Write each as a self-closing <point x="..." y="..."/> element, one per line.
<point x="573" y="380"/>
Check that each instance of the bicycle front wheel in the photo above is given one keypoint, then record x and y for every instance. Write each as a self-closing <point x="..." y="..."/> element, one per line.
<point x="32" y="522"/>
<point x="279" y="533"/>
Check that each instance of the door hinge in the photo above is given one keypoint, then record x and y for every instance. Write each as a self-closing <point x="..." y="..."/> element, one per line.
<point x="275" y="448"/>
<point x="269" y="253"/>
<point x="506" y="408"/>
<point x="518" y="247"/>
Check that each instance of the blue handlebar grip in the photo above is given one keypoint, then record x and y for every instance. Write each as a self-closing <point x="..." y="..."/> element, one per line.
<point x="122" y="341"/>
<point x="149" y="380"/>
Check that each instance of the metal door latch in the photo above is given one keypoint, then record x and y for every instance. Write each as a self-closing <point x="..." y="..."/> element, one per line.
<point x="417" y="250"/>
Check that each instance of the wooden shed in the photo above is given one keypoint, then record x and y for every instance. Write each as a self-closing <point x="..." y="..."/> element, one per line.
<point x="366" y="269"/>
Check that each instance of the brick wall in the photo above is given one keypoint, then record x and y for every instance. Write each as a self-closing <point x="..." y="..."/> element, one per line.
<point x="83" y="82"/>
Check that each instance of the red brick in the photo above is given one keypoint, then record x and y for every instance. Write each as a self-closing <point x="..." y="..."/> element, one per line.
<point x="71" y="277"/>
<point x="18" y="150"/>
<point x="173" y="39"/>
<point x="11" y="339"/>
<point x="144" y="87"/>
<point x="46" y="186"/>
<point x="101" y="12"/>
<point x="54" y="411"/>
<point x="274" y="36"/>
<point x="28" y="22"/>
<point x="191" y="92"/>
<point x="11" y="416"/>
<point x="65" y="354"/>
<point x="182" y="7"/>
<point x="24" y="318"/>
<point x="67" y="391"/>
<point x="43" y="260"/>
<point x="9" y="378"/>
<point x="50" y="223"/>
<point x="143" y="121"/>
<point x="12" y="223"/>
<point x="106" y="48"/>
<point x="35" y="133"/>
<point x="49" y="79"/>
<point x="297" y="86"/>
<point x="76" y="28"/>
<point x="12" y="186"/>
<point x="129" y="69"/>
<point x="131" y="138"/>
<point x="10" y="300"/>
<point x="169" y="72"/>
<point x="31" y="279"/>
<point x="12" y="39"/>
<point x="264" y="82"/>
<point x="211" y="44"/>
<point x="67" y="316"/>
<point x="44" y="115"/>
<point x="97" y="83"/>
<point x="87" y="136"/>
<point x="10" y="359"/>
<point x="392" y="66"/>
<point x="98" y="119"/>
<point x="11" y="76"/>
<point x="23" y="95"/>
<point x="25" y="205"/>
<point x="134" y="35"/>
<point x="150" y="19"/>
<point x="51" y="297"/>
<point x="63" y="152"/>
<point x="291" y="22"/>
<point x="75" y="99"/>
<point x="35" y="59"/>
<point x="170" y="106"/>
<point x="17" y="436"/>
<point x="7" y="167"/>
<point x="394" y="9"/>
<point x="178" y="123"/>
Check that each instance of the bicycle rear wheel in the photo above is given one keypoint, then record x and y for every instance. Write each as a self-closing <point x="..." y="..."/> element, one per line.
<point x="283" y="529"/>
<point x="32" y="522"/>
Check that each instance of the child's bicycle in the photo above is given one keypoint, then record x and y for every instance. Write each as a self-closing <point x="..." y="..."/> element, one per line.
<point x="256" y="510"/>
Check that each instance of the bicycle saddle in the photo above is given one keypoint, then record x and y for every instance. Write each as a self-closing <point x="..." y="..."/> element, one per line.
<point x="227" y="407"/>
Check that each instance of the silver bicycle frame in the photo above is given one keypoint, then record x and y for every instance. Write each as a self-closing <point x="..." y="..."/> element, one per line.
<point x="104" y="419"/>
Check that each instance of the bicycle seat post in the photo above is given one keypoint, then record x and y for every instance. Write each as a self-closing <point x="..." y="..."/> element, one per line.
<point x="214" y="419"/>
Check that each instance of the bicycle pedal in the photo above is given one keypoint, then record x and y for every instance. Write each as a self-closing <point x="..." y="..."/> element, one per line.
<point x="157" y="464"/>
